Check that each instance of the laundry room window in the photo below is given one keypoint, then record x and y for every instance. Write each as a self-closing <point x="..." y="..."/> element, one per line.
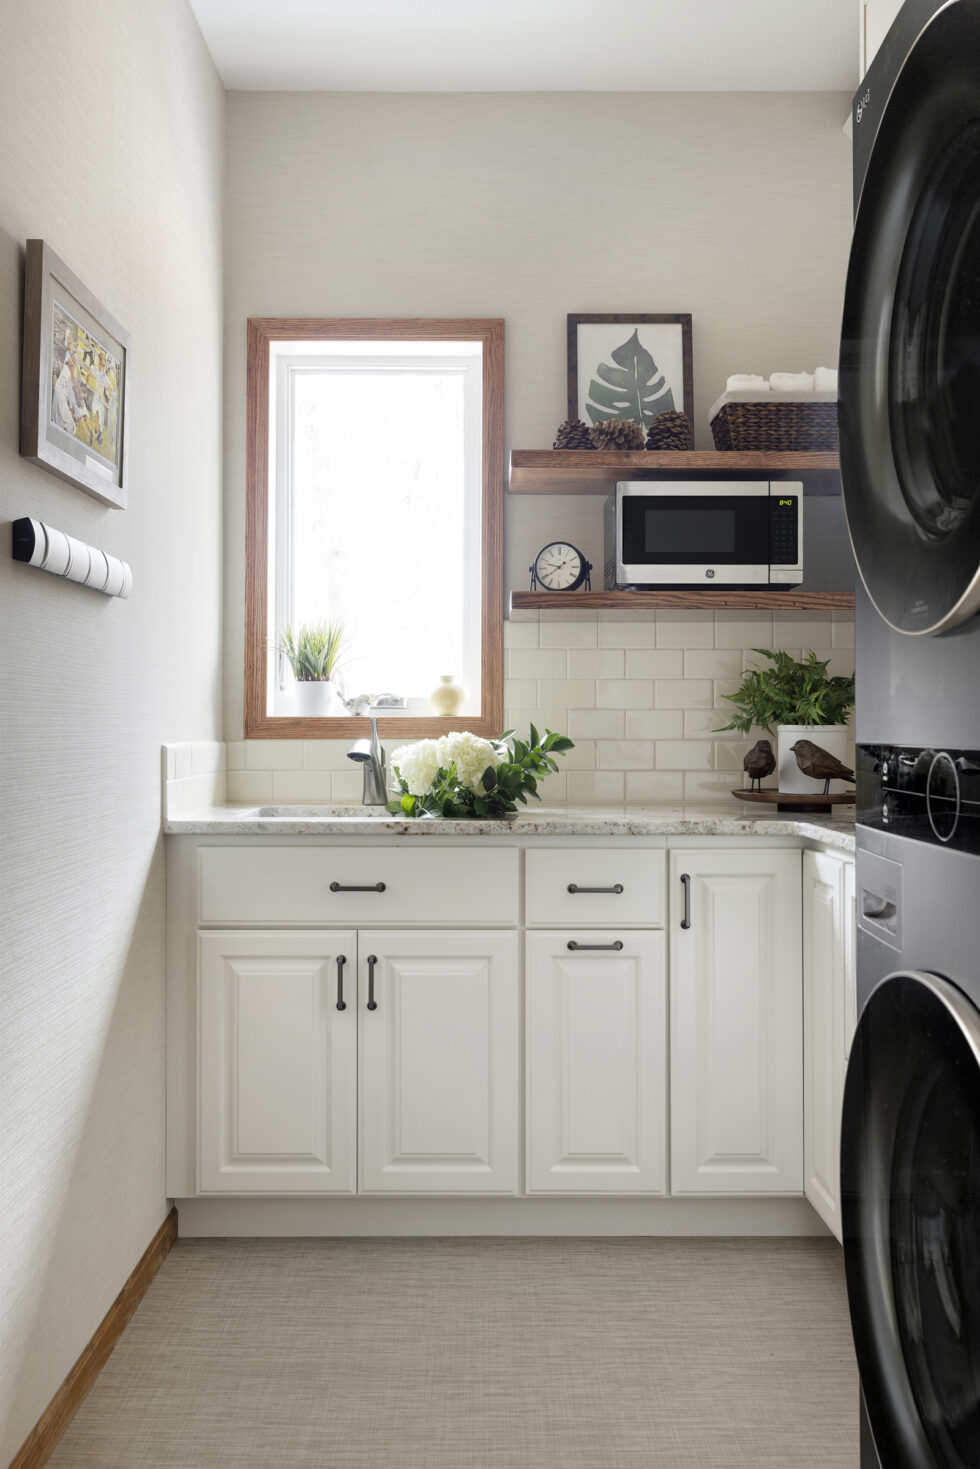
<point x="374" y="494"/>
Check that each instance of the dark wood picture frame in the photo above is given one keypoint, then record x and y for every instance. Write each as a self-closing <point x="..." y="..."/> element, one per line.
<point x="262" y="332"/>
<point x="41" y="440"/>
<point x="635" y="318"/>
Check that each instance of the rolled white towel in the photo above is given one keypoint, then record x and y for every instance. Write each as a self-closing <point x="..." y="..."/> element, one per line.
<point x="741" y="382"/>
<point x="825" y="379"/>
<point x="791" y="382"/>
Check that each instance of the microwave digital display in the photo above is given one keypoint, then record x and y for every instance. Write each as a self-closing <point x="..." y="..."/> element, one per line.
<point x="704" y="533"/>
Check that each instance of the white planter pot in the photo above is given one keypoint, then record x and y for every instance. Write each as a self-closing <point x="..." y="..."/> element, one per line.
<point x="830" y="737"/>
<point x="317" y="698"/>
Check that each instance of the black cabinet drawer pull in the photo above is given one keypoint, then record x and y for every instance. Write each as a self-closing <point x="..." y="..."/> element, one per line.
<point x="686" y="884"/>
<point x="573" y="887"/>
<point x="372" y="887"/>
<point x="372" y="1003"/>
<point x="616" y="944"/>
<point x="341" y="961"/>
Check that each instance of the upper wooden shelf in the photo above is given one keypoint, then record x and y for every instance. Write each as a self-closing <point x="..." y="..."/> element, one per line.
<point x="595" y="471"/>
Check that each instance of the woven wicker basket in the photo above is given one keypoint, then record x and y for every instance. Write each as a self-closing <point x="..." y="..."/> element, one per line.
<point x="778" y="426"/>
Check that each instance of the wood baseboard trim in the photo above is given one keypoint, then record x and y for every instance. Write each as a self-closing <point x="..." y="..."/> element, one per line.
<point x="43" y="1438"/>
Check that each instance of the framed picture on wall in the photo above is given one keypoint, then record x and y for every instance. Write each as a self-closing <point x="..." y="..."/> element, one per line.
<point x="633" y="366"/>
<point x="75" y="380"/>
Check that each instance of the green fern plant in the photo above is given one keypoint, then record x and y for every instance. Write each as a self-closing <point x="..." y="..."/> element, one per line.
<point x="790" y="692"/>
<point x="314" y="650"/>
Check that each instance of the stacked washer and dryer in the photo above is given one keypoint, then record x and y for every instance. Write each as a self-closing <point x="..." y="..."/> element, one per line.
<point x="910" y="466"/>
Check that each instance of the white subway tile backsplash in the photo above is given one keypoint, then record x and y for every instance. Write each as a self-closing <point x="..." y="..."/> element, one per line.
<point x="596" y="785"/>
<point x="640" y="694"/>
<point x="520" y="634"/>
<point x="273" y="754"/>
<point x="567" y="693"/>
<point x="600" y="724"/>
<point x="602" y="663"/>
<point x="664" y="663"/>
<point x="302" y="787"/>
<point x="654" y="785"/>
<point x="536" y="663"/>
<point x="654" y="724"/>
<point x="613" y="693"/>
<point x="712" y="662"/>
<point x="568" y="614"/>
<point x="685" y="630"/>
<point x="569" y="634"/>
<point x="685" y="754"/>
<point x="684" y="693"/>
<point x="624" y="754"/>
<point x="250" y="786"/>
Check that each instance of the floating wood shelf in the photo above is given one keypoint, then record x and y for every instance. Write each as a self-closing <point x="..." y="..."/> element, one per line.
<point x="762" y="600"/>
<point x="595" y="471"/>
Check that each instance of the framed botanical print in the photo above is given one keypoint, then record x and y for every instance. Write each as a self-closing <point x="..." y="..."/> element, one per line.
<point x="75" y="387"/>
<point x="633" y="366"/>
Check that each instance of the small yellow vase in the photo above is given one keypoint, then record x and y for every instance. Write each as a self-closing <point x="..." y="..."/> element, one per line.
<point x="448" y="697"/>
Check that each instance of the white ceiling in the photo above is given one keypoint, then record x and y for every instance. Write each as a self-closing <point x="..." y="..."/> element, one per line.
<point x="533" y="45"/>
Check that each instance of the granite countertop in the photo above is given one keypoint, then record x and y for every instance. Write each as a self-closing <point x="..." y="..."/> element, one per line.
<point x="717" y="819"/>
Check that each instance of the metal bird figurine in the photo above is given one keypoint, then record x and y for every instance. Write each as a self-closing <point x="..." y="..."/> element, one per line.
<point x="820" y="764"/>
<point x="758" y="763"/>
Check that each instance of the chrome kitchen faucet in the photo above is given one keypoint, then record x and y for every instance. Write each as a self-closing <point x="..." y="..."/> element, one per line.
<point x="371" y="755"/>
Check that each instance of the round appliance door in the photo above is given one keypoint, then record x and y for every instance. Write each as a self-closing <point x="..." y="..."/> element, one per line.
<point x="910" y="1195"/>
<point x="909" y="409"/>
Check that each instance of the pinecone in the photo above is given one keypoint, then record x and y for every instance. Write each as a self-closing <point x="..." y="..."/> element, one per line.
<point x="617" y="433"/>
<point x="671" y="431"/>
<point x="573" y="434"/>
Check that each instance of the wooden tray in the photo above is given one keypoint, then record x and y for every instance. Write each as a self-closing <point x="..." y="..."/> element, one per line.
<point x="796" y="800"/>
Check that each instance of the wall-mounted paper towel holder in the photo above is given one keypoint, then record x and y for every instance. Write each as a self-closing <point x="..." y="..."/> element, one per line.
<point x="52" y="550"/>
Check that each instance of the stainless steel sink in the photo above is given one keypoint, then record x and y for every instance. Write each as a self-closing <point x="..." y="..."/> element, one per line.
<point x="317" y="813"/>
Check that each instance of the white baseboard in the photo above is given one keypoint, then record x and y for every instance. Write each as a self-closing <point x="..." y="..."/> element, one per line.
<point x="385" y="1218"/>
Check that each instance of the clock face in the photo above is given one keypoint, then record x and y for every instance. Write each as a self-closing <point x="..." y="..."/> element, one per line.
<point x="558" y="566"/>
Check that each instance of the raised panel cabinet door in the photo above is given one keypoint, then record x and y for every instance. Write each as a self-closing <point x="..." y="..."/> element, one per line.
<point x="736" y="1002"/>
<point x="823" y="1031"/>
<point x="277" y="1062"/>
<point x="596" y="1062"/>
<point x="439" y="1062"/>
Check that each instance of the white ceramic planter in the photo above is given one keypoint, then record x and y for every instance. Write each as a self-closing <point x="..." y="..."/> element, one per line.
<point x="830" y="737"/>
<point x="317" y="698"/>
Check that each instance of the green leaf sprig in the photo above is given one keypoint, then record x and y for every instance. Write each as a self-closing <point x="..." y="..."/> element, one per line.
<point x="314" y="650"/>
<point x="524" y="764"/>
<point x="791" y="692"/>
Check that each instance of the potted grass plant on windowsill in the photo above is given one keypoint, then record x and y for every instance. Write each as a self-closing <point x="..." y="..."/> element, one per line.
<point x="314" y="651"/>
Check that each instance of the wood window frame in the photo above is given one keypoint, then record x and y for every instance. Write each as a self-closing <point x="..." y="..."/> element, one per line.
<point x="262" y="332"/>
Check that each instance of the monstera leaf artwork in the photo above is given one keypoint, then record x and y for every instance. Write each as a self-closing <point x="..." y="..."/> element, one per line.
<point x="634" y="388"/>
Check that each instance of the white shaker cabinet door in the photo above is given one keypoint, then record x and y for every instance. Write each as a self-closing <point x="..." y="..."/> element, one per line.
<point x="596" y="1071"/>
<point x="736" y="1022"/>
<point x="439" y="1050"/>
<point x="277" y="1062"/>
<point x="824" y="951"/>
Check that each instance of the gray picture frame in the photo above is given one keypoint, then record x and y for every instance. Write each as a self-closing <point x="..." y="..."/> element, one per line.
<point x="677" y="328"/>
<point x="50" y="288"/>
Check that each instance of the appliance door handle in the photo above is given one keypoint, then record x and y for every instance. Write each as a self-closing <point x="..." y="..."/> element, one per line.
<point x="875" y="906"/>
<point x="573" y="887"/>
<point x="372" y="887"/>
<point x="686" y="884"/>
<point x="617" y="944"/>
<point x="372" y="1003"/>
<point x="341" y="961"/>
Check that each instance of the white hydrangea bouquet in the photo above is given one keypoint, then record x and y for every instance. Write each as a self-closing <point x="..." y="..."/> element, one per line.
<point x="461" y="776"/>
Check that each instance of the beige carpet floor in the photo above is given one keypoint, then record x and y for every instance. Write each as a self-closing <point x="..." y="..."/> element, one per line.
<point x="481" y="1354"/>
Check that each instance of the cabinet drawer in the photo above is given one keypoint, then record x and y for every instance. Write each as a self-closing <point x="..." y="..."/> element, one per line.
<point x="266" y="884"/>
<point x="579" y="886"/>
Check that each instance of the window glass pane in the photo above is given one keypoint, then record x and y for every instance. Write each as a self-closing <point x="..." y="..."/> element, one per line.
<point x="379" y="479"/>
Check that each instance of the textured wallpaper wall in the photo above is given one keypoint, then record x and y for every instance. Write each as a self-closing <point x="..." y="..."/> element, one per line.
<point x="111" y="117"/>
<point x="735" y="207"/>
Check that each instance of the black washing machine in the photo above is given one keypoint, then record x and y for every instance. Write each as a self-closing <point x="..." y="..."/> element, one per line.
<point x="909" y="415"/>
<point x="910" y="1138"/>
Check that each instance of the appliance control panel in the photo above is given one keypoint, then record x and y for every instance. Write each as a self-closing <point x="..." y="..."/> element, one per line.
<point x="927" y="793"/>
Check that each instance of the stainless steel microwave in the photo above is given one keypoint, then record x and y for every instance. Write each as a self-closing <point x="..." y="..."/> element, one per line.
<point x="697" y="533"/>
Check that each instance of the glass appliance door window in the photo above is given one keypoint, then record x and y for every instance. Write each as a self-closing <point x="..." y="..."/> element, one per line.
<point x="681" y="531"/>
